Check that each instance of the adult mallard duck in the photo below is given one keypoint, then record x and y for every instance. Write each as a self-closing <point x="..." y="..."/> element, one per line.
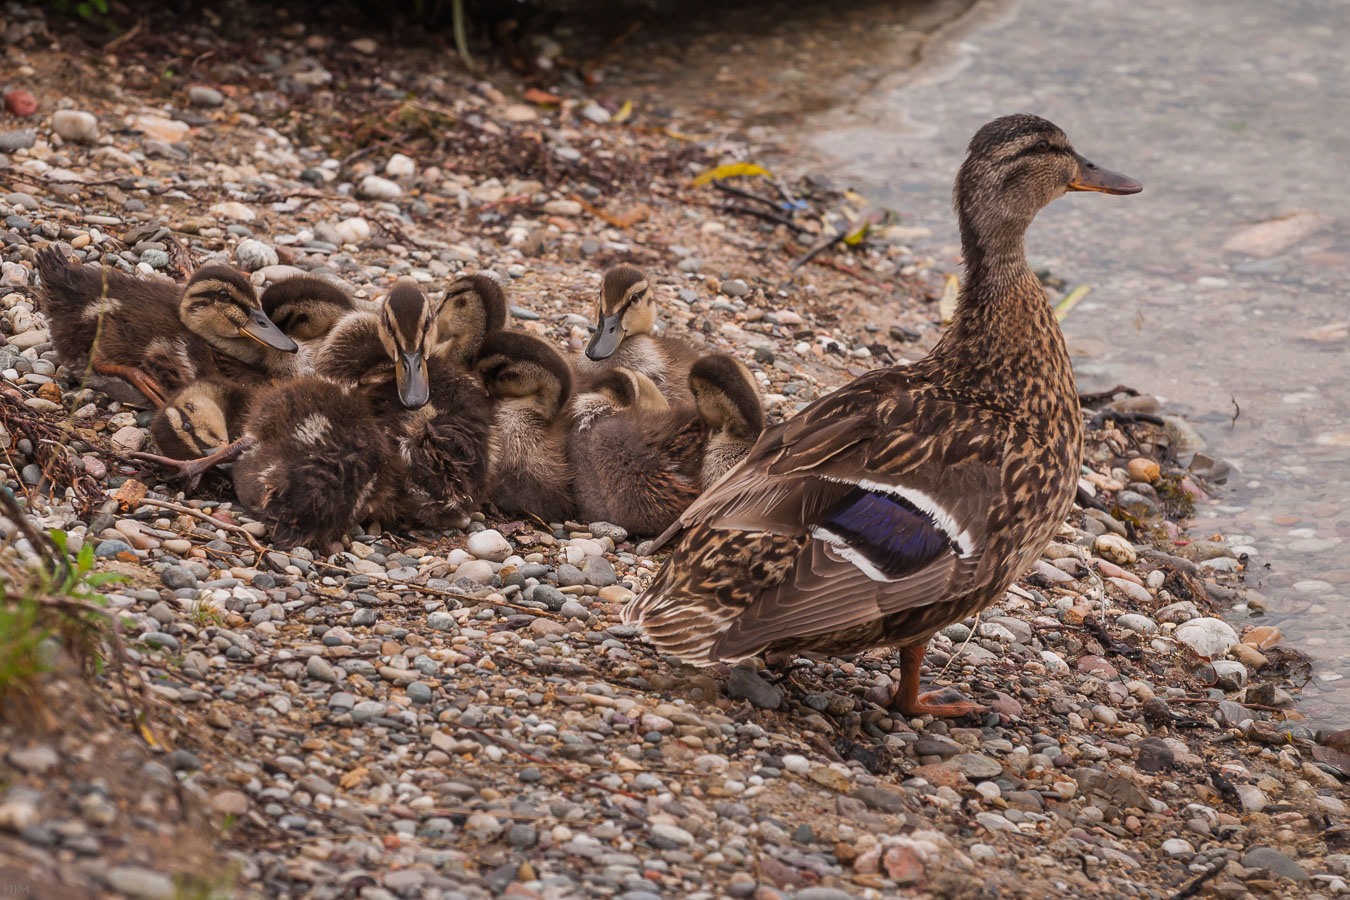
<point x="641" y="464"/>
<point x="155" y="334"/>
<point x="912" y="497"/>
<point x="626" y="315"/>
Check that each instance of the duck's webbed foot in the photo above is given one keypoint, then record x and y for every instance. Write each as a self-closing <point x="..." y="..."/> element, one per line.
<point x="152" y="389"/>
<point x="945" y="703"/>
<point x="191" y="470"/>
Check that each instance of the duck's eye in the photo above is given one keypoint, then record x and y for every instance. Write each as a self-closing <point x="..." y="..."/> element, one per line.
<point x="223" y="294"/>
<point x="1042" y="147"/>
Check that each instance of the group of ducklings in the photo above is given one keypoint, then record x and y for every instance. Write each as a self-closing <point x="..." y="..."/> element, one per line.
<point x="408" y="410"/>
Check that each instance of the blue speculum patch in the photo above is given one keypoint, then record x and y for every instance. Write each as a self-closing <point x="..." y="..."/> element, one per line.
<point x="888" y="531"/>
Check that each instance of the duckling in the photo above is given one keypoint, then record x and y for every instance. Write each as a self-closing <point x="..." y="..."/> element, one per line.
<point x="473" y="307"/>
<point x="912" y="497"/>
<point x="618" y="389"/>
<point x="314" y="462"/>
<point x="152" y="333"/>
<point x="626" y="314"/>
<point x="640" y="468"/>
<point x="200" y="418"/>
<point x="530" y="384"/>
<point x="730" y="407"/>
<point x="436" y="414"/>
<point x="306" y="307"/>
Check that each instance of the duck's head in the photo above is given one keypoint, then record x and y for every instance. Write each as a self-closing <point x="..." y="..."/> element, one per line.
<point x="407" y="328"/>
<point x="1015" y="166"/>
<point x="624" y="388"/>
<point x="727" y="396"/>
<point x="474" y="307"/>
<point x="627" y="306"/>
<point x="196" y="416"/>
<point x="516" y="366"/>
<point x="220" y="305"/>
<point x="305" y="306"/>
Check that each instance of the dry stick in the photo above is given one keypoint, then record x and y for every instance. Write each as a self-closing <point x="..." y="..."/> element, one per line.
<point x="516" y="748"/>
<point x="437" y="592"/>
<point x="766" y="215"/>
<point x="818" y="249"/>
<point x="847" y="270"/>
<point x="198" y="514"/>
<point x="1274" y="709"/>
<point x="601" y="214"/>
<point x="278" y="660"/>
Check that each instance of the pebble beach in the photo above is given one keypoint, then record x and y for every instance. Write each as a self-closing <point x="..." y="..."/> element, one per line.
<point x="462" y="714"/>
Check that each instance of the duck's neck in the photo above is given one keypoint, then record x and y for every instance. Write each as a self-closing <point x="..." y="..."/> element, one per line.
<point x="1004" y="343"/>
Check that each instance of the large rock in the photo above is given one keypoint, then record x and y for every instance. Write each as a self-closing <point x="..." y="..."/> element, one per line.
<point x="1210" y="638"/>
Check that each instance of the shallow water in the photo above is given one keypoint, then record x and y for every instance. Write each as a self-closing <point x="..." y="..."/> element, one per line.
<point x="1230" y="113"/>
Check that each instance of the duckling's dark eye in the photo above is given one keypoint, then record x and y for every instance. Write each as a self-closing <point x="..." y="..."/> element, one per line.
<point x="1042" y="147"/>
<point x="223" y="294"/>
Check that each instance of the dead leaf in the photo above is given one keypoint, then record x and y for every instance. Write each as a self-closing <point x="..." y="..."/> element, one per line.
<point x="730" y="170"/>
<point x="354" y="777"/>
<point x="541" y="98"/>
<point x="624" y="114"/>
<point x="1335" y="331"/>
<point x="947" y="305"/>
<point x="130" y="494"/>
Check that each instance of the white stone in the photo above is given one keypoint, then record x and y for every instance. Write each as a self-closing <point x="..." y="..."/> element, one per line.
<point x="796" y="763"/>
<point x="1137" y="623"/>
<point x="353" y="231"/>
<point x="489" y="544"/>
<point x="1115" y="548"/>
<point x="253" y="255"/>
<point x="400" y="166"/>
<point x="75" y="125"/>
<point x="1177" y="847"/>
<point x="231" y="209"/>
<point x="673" y="834"/>
<point x="1208" y="637"/>
<point x="374" y="187"/>
<point x="130" y="437"/>
<point x="479" y="571"/>
<point x="563" y="208"/>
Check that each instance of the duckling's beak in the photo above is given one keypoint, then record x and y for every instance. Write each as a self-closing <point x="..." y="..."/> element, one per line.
<point x="410" y="375"/>
<point x="264" y="331"/>
<point x="607" y="338"/>
<point x="1090" y="177"/>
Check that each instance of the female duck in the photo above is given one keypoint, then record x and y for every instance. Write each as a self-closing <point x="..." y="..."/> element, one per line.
<point x="626" y="314"/>
<point x="641" y="467"/>
<point x="155" y="334"/>
<point x="910" y="498"/>
<point x="530" y="384"/>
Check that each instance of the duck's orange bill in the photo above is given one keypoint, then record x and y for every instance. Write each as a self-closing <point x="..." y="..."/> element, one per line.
<point x="1091" y="177"/>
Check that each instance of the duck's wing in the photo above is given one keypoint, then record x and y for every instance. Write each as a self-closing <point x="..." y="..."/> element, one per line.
<point x="875" y="500"/>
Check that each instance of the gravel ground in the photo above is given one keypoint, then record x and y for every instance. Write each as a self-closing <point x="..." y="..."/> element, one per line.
<point x="462" y="714"/>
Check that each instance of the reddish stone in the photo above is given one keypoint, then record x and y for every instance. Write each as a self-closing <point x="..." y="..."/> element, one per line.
<point x="20" y="103"/>
<point x="940" y="775"/>
<point x="1095" y="665"/>
<point x="903" y="865"/>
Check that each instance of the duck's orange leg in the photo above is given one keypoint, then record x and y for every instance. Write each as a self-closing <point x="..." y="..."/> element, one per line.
<point x="193" y="469"/>
<point x="909" y="702"/>
<point x="142" y="382"/>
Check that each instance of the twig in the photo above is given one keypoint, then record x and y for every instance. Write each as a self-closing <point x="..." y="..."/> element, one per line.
<point x="516" y="748"/>
<point x="1274" y="709"/>
<point x="742" y="192"/>
<point x="124" y="36"/>
<point x="1068" y="303"/>
<point x="435" y="592"/>
<point x="278" y="660"/>
<point x="818" y="249"/>
<point x="601" y="214"/>
<point x="198" y="514"/>
<point x="1237" y="411"/>
<point x="847" y="270"/>
<point x="768" y="216"/>
<point x="1193" y="887"/>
